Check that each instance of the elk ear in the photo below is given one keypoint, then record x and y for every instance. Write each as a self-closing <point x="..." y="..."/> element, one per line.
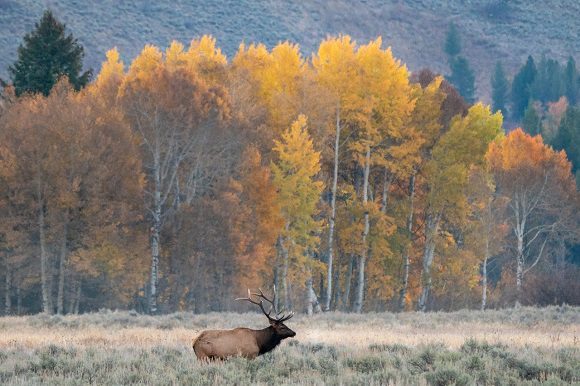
<point x="273" y="323"/>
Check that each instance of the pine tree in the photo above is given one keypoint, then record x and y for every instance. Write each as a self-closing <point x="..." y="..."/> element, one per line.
<point x="521" y="88"/>
<point x="531" y="121"/>
<point x="452" y="42"/>
<point x="499" y="87"/>
<point x="571" y="81"/>
<point x="568" y="137"/>
<point x="462" y="78"/>
<point x="47" y="54"/>
<point x="548" y="83"/>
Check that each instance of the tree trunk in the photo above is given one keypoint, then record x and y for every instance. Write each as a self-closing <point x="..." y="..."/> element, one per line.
<point x="386" y="184"/>
<point x="312" y="304"/>
<point x="336" y="294"/>
<point x="407" y="249"/>
<point x="284" y="278"/>
<point x="61" y="269"/>
<point x="431" y="226"/>
<point x="347" y="285"/>
<point x="18" y="301"/>
<point x="8" y="287"/>
<point x="519" y="273"/>
<point x="520" y="259"/>
<point x="155" y="238"/>
<point x="71" y="299"/>
<point x="276" y="277"/>
<point x="46" y="300"/>
<point x="78" y="298"/>
<point x="358" y="304"/>
<point x="333" y="212"/>
<point x="484" y="278"/>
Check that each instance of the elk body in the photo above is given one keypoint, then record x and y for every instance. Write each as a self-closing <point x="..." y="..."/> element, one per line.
<point x="245" y="342"/>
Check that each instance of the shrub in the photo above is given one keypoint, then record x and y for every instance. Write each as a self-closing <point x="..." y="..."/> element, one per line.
<point x="423" y="362"/>
<point x="447" y="376"/>
<point x="392" y="348"/>
<point x="366" y="364"/>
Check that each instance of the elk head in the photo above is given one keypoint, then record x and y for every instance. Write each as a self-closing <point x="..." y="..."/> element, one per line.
<point x="277" y="319"/>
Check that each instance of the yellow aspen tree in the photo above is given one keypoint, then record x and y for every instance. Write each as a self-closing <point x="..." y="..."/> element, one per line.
<point x="204" y="59"/>
<point x="109" y="79"/>
<point x="294" y="175"/>
<point x="276" y="77"/>
<point x="386" y="92"/>
<point x="463" y="146"/>
<point x="336" y="69"/>
<point x="425" y="120"/>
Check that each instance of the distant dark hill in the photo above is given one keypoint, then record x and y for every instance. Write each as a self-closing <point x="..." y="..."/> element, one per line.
<point x="507" y="30"/>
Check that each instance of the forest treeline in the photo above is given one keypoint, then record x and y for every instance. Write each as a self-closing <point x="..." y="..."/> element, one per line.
<point x="342" y="179"/>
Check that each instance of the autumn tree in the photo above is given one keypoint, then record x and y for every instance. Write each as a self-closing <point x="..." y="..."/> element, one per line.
<point x="294" y="175"/>
<point x="153" y="96"/>
<point x="540" y="188"/>
<point x="46" y="55"/>
<point x="426" y="119"/>
<point x="57" y="177"/>
<point x="463" y="146"/>
<point x="336" y="69"/>
<point x="382" y="138"/>
<point x="252" y="205"/>
<point x="487" y="231"/>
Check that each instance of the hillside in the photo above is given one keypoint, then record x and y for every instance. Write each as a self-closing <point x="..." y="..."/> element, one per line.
<point x="415" y="29"/>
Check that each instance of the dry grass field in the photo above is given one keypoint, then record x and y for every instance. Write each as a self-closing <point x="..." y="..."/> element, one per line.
<point x="524" y="346"/>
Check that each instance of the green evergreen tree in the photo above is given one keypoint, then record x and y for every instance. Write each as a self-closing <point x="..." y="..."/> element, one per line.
<point x="499" y="89"/>
<point x="521" y="88"/>
<point x="45" y="55"/>
<point x="532" y="123"/>
<point x="568" y="137"/>
<point x="548" y="84"/>
<point x="462" y="78"/>
<point x="571" y="81"/>
<point x="452" y="42"/>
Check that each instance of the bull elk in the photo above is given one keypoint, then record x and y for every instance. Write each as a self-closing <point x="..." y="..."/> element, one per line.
<point x="245" y="342"/>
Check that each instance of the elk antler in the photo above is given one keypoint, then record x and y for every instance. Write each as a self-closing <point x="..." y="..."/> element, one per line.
<point x="279" y="315"/>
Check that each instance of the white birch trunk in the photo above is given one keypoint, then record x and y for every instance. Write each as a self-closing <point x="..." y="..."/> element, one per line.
<point x="155" y="238"/>
<point x="347" y="285"/>
<point x="520" y="227"/>
<point x="431" y="226"/>
<point x="332" y="212"/>
<point x="284" y="274"/>
<point x="358" y="305"/>
<point x="7" y="293"/>
<point x="46" y="301"/>
<point x="407" y="250"/>
<point x="484" y="279"/>
<point x="312" y="304"/>
<point x="61" y="272"/>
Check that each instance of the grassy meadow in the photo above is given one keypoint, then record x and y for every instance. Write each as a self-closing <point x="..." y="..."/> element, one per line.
<point x="526" y="346"/>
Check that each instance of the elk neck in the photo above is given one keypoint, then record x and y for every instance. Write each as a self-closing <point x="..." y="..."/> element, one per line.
<point x="267" y="339"/>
